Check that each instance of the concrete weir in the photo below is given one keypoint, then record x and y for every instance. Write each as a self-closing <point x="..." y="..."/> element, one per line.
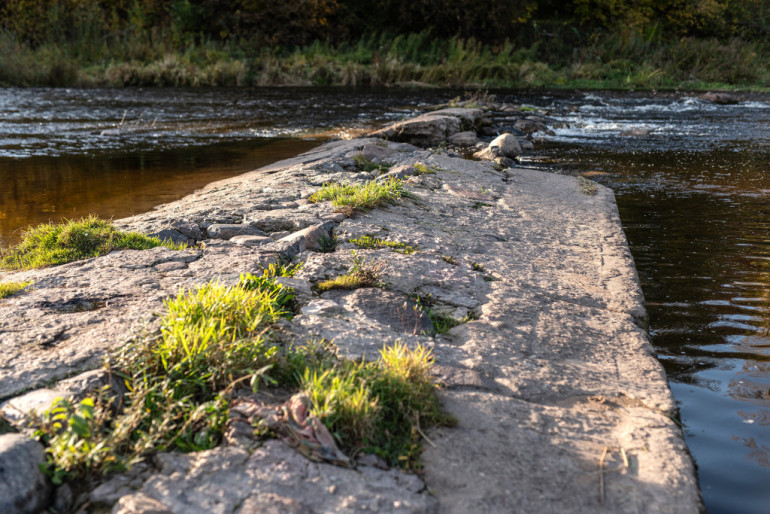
<point x="561" y="405"/>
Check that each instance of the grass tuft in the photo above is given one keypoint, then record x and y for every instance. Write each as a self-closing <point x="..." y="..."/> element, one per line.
<point x="422" y="169"/>
<point x="9" y="288"/>
<point x="50" y="244"/>
<point x="375" y="242"/>
<point x="349" y="198"/>
<point x="379" y="407"/>
<point x="360" y="274"/>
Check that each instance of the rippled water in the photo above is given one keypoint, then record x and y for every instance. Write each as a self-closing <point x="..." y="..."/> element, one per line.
<point x="66" y="153"/>
<point x="692" y="181"/>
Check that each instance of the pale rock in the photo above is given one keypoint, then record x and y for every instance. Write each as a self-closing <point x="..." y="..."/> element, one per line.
<point x="315" y="237"/>
<point x="24" y="489"/>
<point x="399" y="172"/>
<point x="432" y="128"/>
<point x="34" y="402"/>
<point x="526" y="145"/>
<point x="322" y="308"/>
<point x="505" y="145"/>
<point x="140" y="504"/>
<point x="228" y="231"/>
<point x="467" y="138"/>
<point x="250" y="241"/>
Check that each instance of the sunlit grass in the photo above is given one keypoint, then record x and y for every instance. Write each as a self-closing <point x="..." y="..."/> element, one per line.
<point x="213" y="339"/>
<point x="349" y="198"/>
<point x="371" y="242"/>
<point x="58" y="243"/>
<point x="9" y="288"/>
<point x="362" y="273"/>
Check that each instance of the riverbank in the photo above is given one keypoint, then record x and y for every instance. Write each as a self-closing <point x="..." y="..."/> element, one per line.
<point x="418" y="60"/>
<point x="559" y="401"/>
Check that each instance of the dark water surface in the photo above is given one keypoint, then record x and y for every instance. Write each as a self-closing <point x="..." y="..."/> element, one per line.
<point x="693" y="191"/>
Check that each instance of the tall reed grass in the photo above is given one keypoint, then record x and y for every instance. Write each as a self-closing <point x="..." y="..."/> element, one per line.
<point x="609" y="61"/>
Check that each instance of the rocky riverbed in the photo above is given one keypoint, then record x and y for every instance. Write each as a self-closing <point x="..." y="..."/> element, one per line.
<point x="561" y="405"/>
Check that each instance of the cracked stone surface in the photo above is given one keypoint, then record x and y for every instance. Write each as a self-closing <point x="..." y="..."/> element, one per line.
<point x="560" y="402"/>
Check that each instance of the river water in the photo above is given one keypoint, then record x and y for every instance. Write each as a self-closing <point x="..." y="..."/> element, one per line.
<point x="692" y="181"/>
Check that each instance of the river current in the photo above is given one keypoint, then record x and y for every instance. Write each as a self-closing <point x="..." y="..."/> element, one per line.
<point x="692" y="181"/>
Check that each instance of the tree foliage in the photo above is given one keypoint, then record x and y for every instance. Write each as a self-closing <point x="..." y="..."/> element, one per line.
<point x="290" y="23"/>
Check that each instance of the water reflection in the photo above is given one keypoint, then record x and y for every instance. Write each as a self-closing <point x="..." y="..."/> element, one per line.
<point x="114" y="185"/>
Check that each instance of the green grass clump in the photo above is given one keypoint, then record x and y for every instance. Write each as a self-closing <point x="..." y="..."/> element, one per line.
<point x="213" y="339"/>
<point x="475" y="266"/>
<point x="9" y="288"/>
<point x="349" y="198"/>
<point x="442" y="323"/>
<point x="210" y="338"/>
<point x="360" y="274"/>
<point x="50" y="244"/>
<point x="378" y="407"/>
<point x="422" y="169"/>
<point x="375" y="242"/>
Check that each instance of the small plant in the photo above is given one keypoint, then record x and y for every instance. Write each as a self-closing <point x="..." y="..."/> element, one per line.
<point x="76" y="439"/>
<point x="479" y="205"/>
<point x="475" y="266"/>
<point x="443" y="323"/>
<point x="349" y="198"/>
<point x="375" y="242"/>
<point x="365" y="164"/>
<point x="360" y="274"/>
<point x="327" y="244"/>
<point x="450" y="260"/>
<point x="422" y="169"/>
<point x="9" y="288"/>
<point x="587" y="187"/>
<point x="51" y="244"/>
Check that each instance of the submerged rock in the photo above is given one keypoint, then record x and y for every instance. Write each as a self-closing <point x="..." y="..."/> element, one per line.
<point x="720" y="98"/>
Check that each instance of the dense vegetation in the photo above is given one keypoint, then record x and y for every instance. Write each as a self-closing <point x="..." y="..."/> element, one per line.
<point x="620" y="43"/>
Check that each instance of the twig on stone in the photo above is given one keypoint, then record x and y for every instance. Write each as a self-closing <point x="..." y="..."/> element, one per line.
<point x="601" y="475"/>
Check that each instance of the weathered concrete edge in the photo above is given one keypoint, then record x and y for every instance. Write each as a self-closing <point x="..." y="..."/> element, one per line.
<point x="619" y="266"/>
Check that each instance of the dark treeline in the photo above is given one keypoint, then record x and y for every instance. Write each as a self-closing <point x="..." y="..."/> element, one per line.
<point x="73" y="35"/>
<point x="300" y="22"/>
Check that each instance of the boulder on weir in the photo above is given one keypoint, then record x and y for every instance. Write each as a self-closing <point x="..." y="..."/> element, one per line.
<point x="505" y="145"/>
<point x="432" y="128"/>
